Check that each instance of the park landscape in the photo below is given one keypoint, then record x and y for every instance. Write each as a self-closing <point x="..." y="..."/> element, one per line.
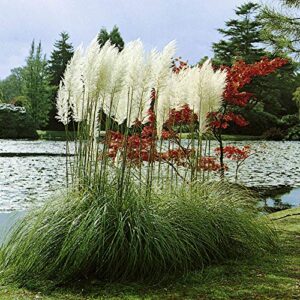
<point x="130" y="173"/>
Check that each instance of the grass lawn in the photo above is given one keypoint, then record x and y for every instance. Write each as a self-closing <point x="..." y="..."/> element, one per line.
<point x="51" y="135"/>
<point x="57" y="135"/>
<point x="270" y="277"/>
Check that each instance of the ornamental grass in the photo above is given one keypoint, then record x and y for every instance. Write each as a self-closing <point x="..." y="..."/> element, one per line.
<point x="91" y="235"/>
<point x="139" y="204"/>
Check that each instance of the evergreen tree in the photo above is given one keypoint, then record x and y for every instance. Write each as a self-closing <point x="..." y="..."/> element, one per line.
<point x="272" y="93"/>
<point x="36" y="86"/>
<point x="243" y="37"/>
<point x="60" y="56"/>
<point x="114" y="36"/>
<point x="281" y="29"/>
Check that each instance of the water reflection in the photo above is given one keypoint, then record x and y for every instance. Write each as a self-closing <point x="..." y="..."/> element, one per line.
<point x="284" y="200"/>
<point x="27" y="181"/>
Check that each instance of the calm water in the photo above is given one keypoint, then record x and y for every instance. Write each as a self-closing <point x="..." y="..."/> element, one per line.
<point x="27" y="181"/>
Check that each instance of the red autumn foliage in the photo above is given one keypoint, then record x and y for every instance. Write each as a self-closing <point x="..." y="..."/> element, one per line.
<point x="209" y="163"/>
<point x="177" y="156"/>
<point x="184" y="116"/>
<point x="235" y="153"/>
<point x="238" y="76"/>
<point x="221" y="120"/>
<point x="179" y="65"/>
<point x="141" y="146"/>
<point x="241" y="74"/>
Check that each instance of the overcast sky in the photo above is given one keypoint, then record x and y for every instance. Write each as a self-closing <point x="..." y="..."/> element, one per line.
<point x="192" y="23"/>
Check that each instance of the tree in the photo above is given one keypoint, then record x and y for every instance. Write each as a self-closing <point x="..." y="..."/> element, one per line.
<point x="238" y="75"/>
<point x="11" y="86"/>
<point x="114" y="36"/>
<point x="36" y="86"/>
<point x="296" y="98"/>
<point x="60" y="56"/>
<point x="243" y="37"/>
<point x="272" y="94"/>
<point x="281" y="29"/>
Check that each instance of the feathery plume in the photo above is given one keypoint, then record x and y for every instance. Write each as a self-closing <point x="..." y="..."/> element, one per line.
<point x="62" y="105"/>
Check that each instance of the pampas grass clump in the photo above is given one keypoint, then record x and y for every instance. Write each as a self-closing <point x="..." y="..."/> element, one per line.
<point x="90" y="235"/>
<point x="133" y="218"/>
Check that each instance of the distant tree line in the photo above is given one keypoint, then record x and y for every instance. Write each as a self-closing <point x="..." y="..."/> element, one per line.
<point x="255" y="32"/>
<point x="35" y="85"/>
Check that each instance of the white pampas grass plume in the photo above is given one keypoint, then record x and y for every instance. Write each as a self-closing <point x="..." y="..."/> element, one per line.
<point x="76" y="86"/>
<point x="162" y="65"/>
<point x="206" y="89"/>
<point x="162" y="77"/>
<point x="109" y="78"/>
<point x="90" y="69"/>
<point x="165" y="102"/>
<point x="69" y="95"/>
<point x="133" y="54"/>
<point x="62" y="105"/>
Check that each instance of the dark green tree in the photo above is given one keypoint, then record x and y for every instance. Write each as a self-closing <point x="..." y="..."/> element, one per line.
<point x="114" y="36"/>
<point x="296" y="98"/>
<point x="36" y="86"/>
<point x="242" y="37"/>
<point x="59" y="58"/>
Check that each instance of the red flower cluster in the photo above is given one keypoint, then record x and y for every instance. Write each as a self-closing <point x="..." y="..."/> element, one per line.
<point x="235" y="153"/>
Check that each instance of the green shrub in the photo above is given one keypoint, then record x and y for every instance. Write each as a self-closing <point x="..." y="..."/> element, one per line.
<point x="259" y="122"/>
<point x="95" y="235"/>
<point x="293" y="134"/>
<point x="16" y="123"/>
<point x="289" y="121"/>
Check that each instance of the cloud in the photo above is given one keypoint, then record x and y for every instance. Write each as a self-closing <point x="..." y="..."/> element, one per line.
<point x="192" y="23"/>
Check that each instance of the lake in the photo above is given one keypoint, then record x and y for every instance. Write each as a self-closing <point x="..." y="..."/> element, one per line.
<point x="31" y="171"/>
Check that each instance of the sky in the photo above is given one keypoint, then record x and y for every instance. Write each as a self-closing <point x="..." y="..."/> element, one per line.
<point x="192" y="23"/>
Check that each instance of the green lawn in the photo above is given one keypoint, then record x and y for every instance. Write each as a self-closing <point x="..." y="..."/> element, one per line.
<point x="51" y="135"/>
<point x="270" y="277"/>
<point x="57" y="135"/>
